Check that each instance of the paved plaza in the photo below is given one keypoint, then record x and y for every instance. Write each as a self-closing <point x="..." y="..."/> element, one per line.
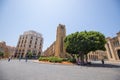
<point x="21" y="70"/>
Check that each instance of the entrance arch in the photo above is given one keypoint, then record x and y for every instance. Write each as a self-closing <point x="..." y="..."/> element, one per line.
<point x="118" y="52"/>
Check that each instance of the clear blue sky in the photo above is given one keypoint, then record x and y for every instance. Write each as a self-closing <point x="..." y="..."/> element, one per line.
<point x="43" y="16"/>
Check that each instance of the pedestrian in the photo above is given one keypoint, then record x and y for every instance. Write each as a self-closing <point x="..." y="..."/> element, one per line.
<point x="102" y="61"/>
<point x="9" y="59"/>
<point x="26" y="58"/>
<point x="19" y="57"/>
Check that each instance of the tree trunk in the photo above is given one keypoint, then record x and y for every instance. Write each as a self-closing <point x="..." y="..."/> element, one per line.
<point x="82" y="58"/>
<point x="86" y="58"/>
<point x="73" y="56"/>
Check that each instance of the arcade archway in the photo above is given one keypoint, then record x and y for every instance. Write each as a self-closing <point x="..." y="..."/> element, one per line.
<point x="118" y="52"/>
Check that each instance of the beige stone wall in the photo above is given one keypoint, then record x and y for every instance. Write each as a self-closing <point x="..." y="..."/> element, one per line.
<point x="97" y="55"/>
<point x="50" y="51"/>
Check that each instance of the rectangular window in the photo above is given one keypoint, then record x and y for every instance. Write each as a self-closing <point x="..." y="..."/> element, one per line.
<point x="19" y="42"/>
<point x="18" y="45"/>
<point x="29" y="46"/>
<point x="25" y="41"/>
<point x="30" y="41"/>
<point x="41" y="40"/>
<point x="117" y="43"/>
<point x="35" y="42"/>
<point x="31" y="37"/>
<point x="22" y="41"/>
<point x="40" y="44"/>
<point x="39" y="47"/>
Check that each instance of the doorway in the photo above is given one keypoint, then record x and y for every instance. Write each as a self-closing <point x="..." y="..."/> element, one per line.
<point x="118" y="53"/>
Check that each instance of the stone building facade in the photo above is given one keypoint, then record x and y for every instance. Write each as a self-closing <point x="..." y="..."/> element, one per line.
<point x="113" y="48"/>
<point x="50" y="51"/>
<point x="97" y="55"/>
<point x="30" y="41"/>
<point x="11" y="50"/>
<point x="4" y="49"/>
<point x="7" y="50"/>
<point x="57" y="48"/>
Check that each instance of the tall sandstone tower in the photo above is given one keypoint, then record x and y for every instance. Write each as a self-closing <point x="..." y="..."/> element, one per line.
<point x="57" y="48"/>
<point x="61" y="33"/>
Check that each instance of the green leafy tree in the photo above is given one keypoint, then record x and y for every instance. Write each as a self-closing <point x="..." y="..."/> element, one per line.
<point x="30" y="54"/>
<point x="81" y="43"/>
<point x="1" y="54"/>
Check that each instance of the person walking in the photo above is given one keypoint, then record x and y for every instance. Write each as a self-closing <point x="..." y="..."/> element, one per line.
<point x="102" y="62"/>
<point x="26" y="57"/>
<point x="19" y="57"/>
<point x="9" y="59"/>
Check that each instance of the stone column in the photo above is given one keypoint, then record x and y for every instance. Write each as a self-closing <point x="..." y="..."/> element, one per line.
<point x="116" y="54"/>
<point x="110" y="49"/>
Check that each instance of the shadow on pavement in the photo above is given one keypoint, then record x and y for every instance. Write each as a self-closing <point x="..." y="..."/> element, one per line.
<point x="103" y="65"/>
